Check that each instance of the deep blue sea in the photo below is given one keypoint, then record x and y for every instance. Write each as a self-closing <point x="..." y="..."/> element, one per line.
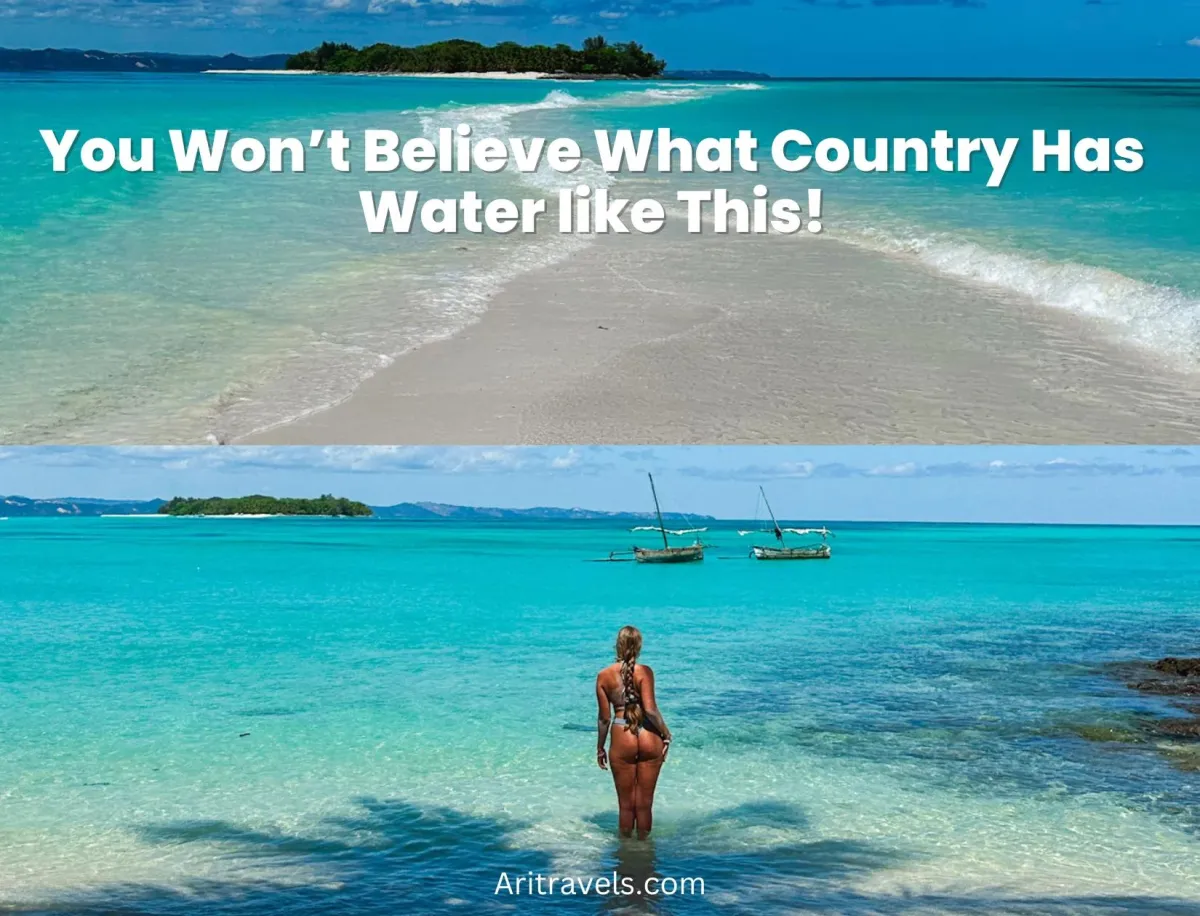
<point x="360" y="716"/>
<point x="174" y="307"/>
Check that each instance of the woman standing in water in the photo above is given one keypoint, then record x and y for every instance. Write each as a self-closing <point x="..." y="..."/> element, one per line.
<point x="640" y="737"/>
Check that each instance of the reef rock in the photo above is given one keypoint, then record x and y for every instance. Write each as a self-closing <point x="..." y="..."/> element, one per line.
<point x="1178" y="667"/>
<point x="1171" y="677"/>
<point x="1176" y="728"/>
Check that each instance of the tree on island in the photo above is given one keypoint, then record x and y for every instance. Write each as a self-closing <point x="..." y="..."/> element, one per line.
<point x="264" y="505"/>
<point x="596" y="58"/>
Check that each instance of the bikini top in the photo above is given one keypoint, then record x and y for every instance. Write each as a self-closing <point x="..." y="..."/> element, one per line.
<point x="619" y="702"/>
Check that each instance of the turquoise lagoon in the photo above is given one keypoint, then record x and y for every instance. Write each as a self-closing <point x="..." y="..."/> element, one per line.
<point x="320" y="716"/>
<point x="184" y="307"/>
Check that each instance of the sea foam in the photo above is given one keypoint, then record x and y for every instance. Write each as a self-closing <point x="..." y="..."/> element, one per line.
<point x="491" y="120"/>
<point x="1161" y="319"/>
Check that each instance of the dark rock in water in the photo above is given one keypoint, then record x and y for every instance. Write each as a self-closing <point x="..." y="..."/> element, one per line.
<point x="1177" y="739"/>
<point x="1168" y="677"/>
<point x="1167" y="688"/>
<point x="1176" y="728"/>
<point x="1179" y="667"/>
<point x="1105" y="733"/>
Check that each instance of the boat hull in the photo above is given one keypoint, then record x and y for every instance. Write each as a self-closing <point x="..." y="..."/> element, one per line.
<point x="793" y="553"/>
<point x="692" y="554"/>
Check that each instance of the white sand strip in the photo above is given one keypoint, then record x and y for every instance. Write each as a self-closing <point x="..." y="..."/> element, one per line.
<point x="752" y="340"/>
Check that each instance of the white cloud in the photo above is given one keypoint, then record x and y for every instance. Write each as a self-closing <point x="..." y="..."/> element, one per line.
<point x="612" y="14"/>
<point x="1194" y="42"/>
<point x="569" y="460"/>
<point x="908" y="469"/>
<point x="565" y="20"/>
<point x="384" y="459"/>
<point x="996" y="468"/>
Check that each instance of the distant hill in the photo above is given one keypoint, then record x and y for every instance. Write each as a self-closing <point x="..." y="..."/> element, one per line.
<point x="417" y="511"/>
<point x="27" y="59"/>
<point x="327" y="505"/>
<point x="23" y="507"/>
<point x="595" y="58"/>
<point x="68" y="59"/>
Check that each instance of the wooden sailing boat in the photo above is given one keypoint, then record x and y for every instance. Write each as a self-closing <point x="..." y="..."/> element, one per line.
<point x="667" y="554"/>
<point x="784" y="551"/>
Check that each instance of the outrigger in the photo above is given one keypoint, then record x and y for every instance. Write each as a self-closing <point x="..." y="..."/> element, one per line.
<point x="691" y="553"/>
<point x="810" y="551"/>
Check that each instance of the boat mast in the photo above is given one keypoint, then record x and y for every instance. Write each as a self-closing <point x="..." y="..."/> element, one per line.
<point x="778" y="530"/>
<point x="657" y="511"/>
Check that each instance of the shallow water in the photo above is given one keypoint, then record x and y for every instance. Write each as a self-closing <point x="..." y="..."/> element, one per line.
<point x="166" y="307"/>
<point x="363" y="716"/>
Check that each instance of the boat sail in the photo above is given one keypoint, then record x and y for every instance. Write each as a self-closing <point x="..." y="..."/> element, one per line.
<point x="691" y="553"/>
<point x="814" y="550"/>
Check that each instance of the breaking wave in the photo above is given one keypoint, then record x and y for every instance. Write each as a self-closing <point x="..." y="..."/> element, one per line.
<point x="491" y="119"/>
<point x="1162" y="319"/>
<point x="495" y="118"/>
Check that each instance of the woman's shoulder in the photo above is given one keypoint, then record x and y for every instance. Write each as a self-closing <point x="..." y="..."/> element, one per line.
<point x="643" y="673"/>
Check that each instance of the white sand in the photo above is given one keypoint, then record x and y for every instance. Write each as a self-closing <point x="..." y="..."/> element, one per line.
<point x="491" y="75"/>
<point x="268" y="72"/>
<point x="751" y="340"/>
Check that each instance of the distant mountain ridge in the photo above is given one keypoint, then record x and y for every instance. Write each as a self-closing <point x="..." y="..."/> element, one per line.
<point x="63" y="507"/>
<point x="74" y="59"/>
<point x="24" y="507"/>
<point x="417" y="511"/>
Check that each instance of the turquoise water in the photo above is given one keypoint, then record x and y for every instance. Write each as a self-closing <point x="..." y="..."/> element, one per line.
<point x="314" y="716"/>
<point x="166" y="306"/>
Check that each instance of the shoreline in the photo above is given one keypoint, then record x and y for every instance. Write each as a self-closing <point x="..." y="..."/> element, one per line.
<point x="485" y="75"/>
<point x="704" y="339"/>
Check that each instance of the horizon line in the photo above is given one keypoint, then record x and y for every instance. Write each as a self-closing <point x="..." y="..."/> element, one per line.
<point x="739" y="70"/>
<point x="611" y="512"/>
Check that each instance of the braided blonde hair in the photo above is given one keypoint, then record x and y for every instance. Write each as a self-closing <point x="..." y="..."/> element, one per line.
<point x="629" y="646"/>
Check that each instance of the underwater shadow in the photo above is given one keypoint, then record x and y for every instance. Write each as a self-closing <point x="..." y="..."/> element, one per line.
<point x="393" y="857"/>
<point x="396" y="857"/>
<point x="814" y="876"/>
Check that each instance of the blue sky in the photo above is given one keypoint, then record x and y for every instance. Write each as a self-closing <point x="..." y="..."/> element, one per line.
<point x="1103" y="38"/>
<point x="1111" y="485"/>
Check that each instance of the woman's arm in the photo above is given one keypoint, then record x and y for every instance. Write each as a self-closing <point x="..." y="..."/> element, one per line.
<point x="650" y="706"/>
<point x="602" y="724"/>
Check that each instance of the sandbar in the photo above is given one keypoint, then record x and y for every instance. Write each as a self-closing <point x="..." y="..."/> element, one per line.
<point x="762" y="339"/>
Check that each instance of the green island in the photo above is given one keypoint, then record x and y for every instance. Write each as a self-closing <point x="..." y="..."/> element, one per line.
<point x="597" y="58"/>
<point x="264" y="505"/>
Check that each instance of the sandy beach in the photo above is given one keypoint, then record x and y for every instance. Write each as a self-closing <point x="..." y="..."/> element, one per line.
<point x="762" y="339"/>
<point x="240" y="309"/>
<point x="484" y="75"/>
